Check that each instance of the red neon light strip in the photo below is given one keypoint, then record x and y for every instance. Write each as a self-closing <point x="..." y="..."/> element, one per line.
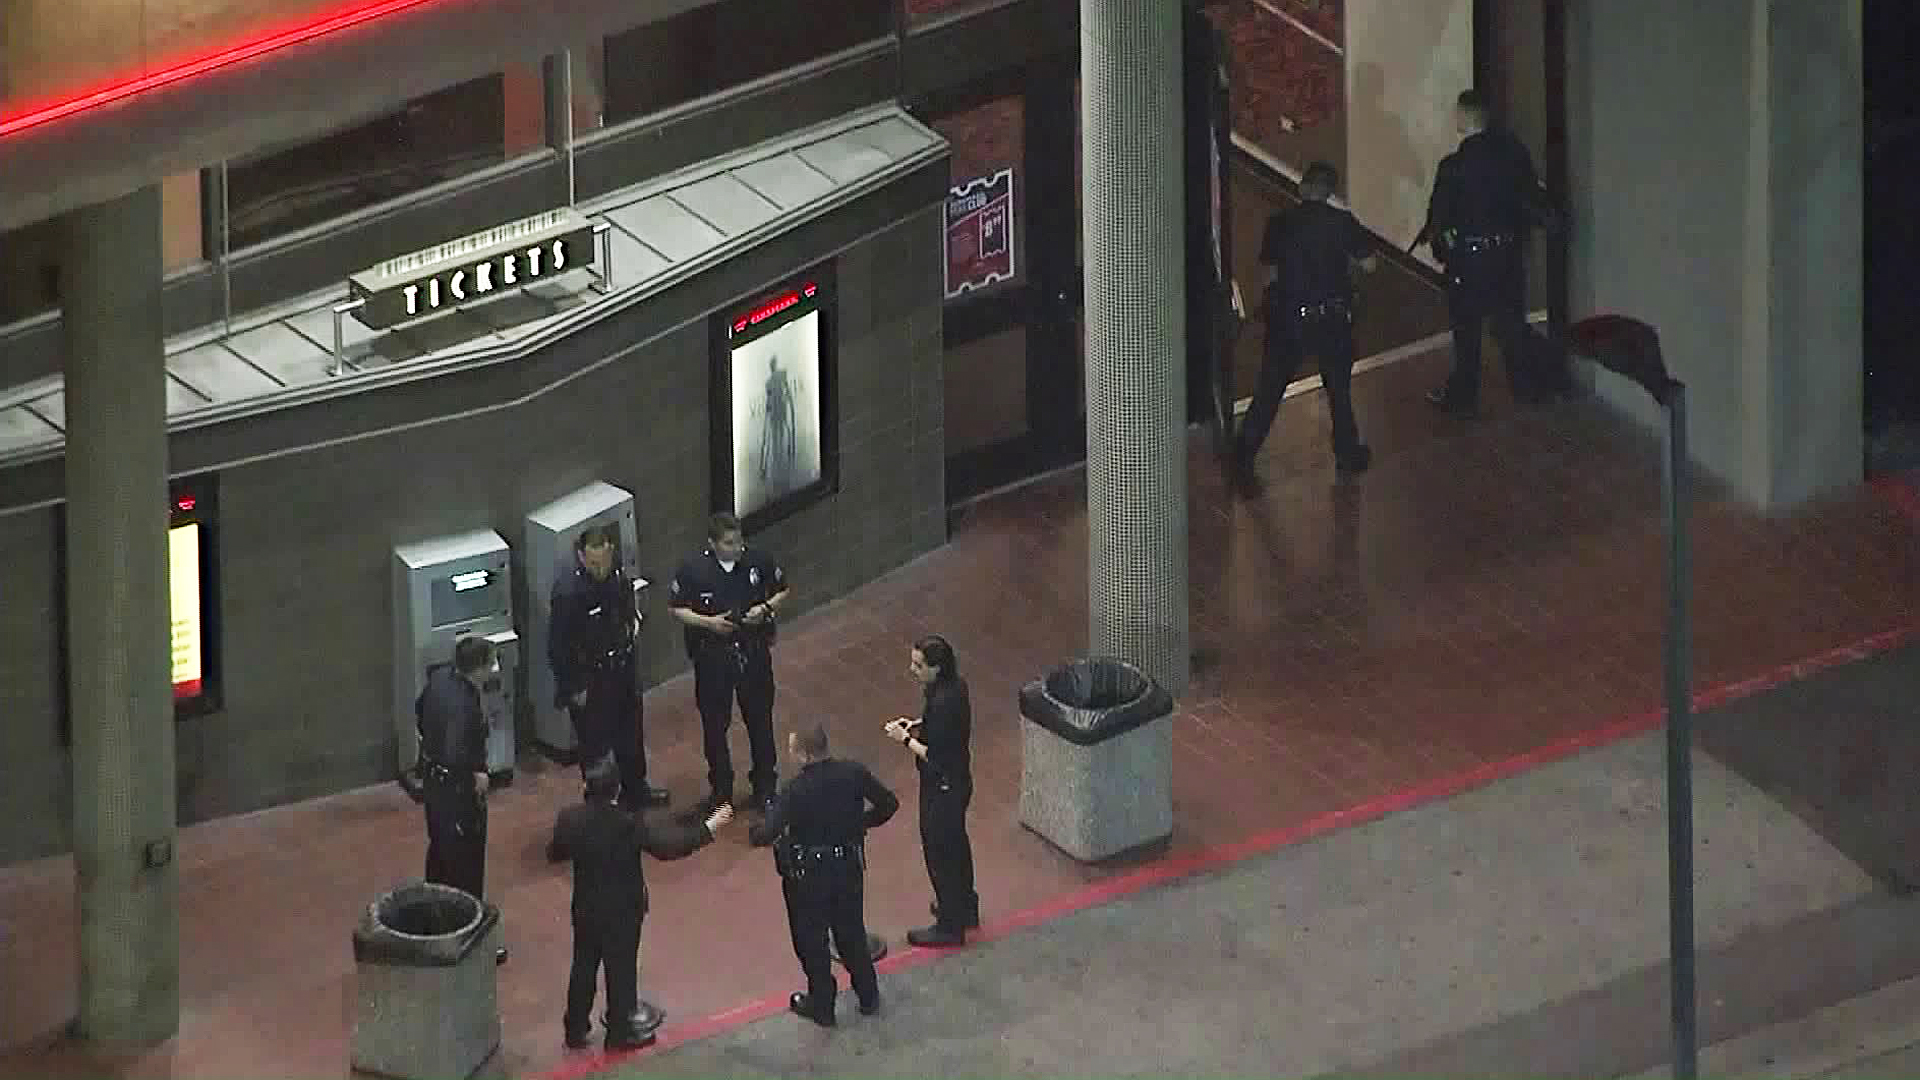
<point x="232" y="54"/>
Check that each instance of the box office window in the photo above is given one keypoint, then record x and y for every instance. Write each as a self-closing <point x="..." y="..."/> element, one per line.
<point x="433" y="139"/>
<point x="775" y="425"/>
<point x="722" y="45"/>
<point x="193" y="600"/>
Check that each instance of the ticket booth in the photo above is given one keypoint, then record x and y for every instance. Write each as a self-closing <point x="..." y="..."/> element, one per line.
<point x="551" y="532"/>
<point x="443" y="590"/>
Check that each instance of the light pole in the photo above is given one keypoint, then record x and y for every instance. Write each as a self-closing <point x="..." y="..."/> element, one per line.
<point x="1631" y="349"/>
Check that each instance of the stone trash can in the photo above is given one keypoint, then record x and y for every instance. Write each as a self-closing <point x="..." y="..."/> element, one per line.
<point x="427" y="984"/>
<point x="1096" y="777"/>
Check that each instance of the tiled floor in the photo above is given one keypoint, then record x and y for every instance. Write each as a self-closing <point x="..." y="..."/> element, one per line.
<point x="1491" y="587"/>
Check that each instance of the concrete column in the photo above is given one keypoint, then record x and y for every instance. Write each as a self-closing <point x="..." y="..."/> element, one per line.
<point x="1135" y="249"/>
<point x="124" y="814"/>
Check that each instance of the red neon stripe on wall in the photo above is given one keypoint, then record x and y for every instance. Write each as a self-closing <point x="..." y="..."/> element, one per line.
<point x="354" y="15"/>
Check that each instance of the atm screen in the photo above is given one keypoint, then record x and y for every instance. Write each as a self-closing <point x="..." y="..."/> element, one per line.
<point x="183" y="576"/>
<point x="466" y="595"/>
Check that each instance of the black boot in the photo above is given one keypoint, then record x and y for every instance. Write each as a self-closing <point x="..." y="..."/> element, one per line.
<point x="802" y="1005"/>
<point x="937" y="937"/>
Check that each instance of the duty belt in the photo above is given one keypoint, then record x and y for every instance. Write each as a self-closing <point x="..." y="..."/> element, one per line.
<point x="1323" y="309"/>
<point x="1486" y="243"/>
<point x="435" y="773"/>
<point x="609" y="658"/>
<point x="796" y="861"/>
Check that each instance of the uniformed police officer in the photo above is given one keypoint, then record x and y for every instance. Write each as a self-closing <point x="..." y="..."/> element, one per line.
<point x="453" y="767"/>
<point x="729" y="598"/>
<point x="819" y="828"/>
<point x="940" y="740"/>
<point x="1486" y="199"/>
<point x="590" y="646"/>
<point x="604" y="843"/>
<point x="1312" y="248"/>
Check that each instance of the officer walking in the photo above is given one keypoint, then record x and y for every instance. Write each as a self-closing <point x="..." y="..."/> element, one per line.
<point x="940" y="742"/>
<point x="1486" y="199"/>
<point x="453" y="767"/>
<point x="1309" y="310"/>
<point x="604" y="843"/>
<point x="590" y="646"/>
<point x="819" y="827"/>
<point x="729" y="598"/>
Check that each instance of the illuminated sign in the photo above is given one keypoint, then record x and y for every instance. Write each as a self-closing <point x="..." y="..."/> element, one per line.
<point x="472" y="579"/>
<point x="768" y="310"/>
<point x="472" y="268"/>
<point x="183" y="579"/>
<point x="773" y="419"/>
<point x="979" y="236"/>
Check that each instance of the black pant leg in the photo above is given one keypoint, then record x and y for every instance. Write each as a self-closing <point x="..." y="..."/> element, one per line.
<point x="807" y="922"/>
<point x="621" y="944"/>
<point x="848" y="917"/>
<point x="581" y="979"/>
<point x="1281" y="358"/>
<point x="620" y="719"/>
<point x="756" y="709"/>
<point x="949" y="853"/>
<point x="713" y="691"/>
<point x="1333" y="343"/>
<point x="456" y="839"/>
<point x="1507" y="312"/>
<point x="590" y="742"/>
<point x="1465" y="309"/>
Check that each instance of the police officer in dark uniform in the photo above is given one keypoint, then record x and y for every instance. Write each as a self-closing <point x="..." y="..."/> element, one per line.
<point x="453" y="767"/>
<point x="604" y="843"/>
<point x="1486" y="200"/>
<point x="1309" y="303"/>
<point x="819" y="827"/>
<point x="590" y="646"/>
<point x="729" y="599"/>
<point x="940" y="742"/>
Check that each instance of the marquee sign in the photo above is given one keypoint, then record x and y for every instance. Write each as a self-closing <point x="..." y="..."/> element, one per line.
<point x="461" y="271"/>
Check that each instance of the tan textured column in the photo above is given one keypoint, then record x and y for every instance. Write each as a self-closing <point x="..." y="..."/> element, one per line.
<point x="124" y="813"/>
<point x="1135" y="248"/>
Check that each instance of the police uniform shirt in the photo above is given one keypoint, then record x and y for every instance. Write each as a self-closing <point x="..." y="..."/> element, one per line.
<point x="946" y="728"/>
<point x="1485" y="188"/>
<point x="1309" y="247"/>
<point x="453" y="727"/>
<point x="604" y="844"/>
<point x="589" y="618"/>
<point x="830" y="802"/>
<point x="704" y="586"/>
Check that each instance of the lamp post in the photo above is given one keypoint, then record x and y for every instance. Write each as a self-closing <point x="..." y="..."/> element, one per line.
<point x="1631" y="349"/>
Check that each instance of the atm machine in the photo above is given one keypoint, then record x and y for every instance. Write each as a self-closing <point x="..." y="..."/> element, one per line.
<point x="443" y="590"/>
<point x="550" y="534"/>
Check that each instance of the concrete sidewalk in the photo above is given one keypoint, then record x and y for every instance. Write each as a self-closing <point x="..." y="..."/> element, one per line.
<point x="1515" y="930"/>
<point x="1361" y="952"/>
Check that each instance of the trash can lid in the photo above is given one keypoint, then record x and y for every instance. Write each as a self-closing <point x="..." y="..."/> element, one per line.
<point x="1095" y="698"/>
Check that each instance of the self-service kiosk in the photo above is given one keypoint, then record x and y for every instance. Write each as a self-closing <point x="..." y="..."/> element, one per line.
<point x="443" y="590"/>
<point x="551" y="532"/>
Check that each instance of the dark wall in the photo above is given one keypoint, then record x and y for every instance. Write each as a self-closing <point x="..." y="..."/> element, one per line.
<point x="306" y="541"/>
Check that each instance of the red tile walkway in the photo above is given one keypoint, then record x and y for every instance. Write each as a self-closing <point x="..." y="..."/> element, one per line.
<point x="1490" y="591"/>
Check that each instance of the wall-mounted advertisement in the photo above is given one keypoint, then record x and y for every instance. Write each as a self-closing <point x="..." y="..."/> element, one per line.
<point x="773" y="404"/>
<point x="193" y="600"/>
<point x="979" y="237"/>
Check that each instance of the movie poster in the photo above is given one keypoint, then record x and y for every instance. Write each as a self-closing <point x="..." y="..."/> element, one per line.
<point x="777" y="418"/>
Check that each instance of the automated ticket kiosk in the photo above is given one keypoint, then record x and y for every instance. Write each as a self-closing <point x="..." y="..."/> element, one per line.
<point x="551" y="532"/>
<point x="443" y="590"/>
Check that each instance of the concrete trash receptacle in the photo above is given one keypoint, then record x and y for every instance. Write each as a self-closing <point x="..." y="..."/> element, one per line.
<point x="1096" y="776"/>
<point x="427" y="984"/>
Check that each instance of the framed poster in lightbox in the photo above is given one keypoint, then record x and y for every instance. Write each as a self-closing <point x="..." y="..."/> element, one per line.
<point x="775" y="429"/>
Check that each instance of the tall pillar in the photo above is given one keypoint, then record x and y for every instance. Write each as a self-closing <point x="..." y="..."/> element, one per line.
<point x="1134" y="241"/>
<point x="119" y="690"/>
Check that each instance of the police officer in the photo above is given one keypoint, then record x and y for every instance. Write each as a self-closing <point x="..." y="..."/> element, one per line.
<point x="729" y="599"/>
<point x="590" y="646"/>
<point x="453" y="767"/>
<point x="1309" y="310"/>
<point x="939" y="741"/>
<point x="604" y="843"/>
<point x="1486" y="199"/>
<point x="819" y="826"/>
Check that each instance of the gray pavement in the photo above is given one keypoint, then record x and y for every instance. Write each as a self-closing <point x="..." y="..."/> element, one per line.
<point x="1515" y="930"/>
<point x="1336" y="954"/>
